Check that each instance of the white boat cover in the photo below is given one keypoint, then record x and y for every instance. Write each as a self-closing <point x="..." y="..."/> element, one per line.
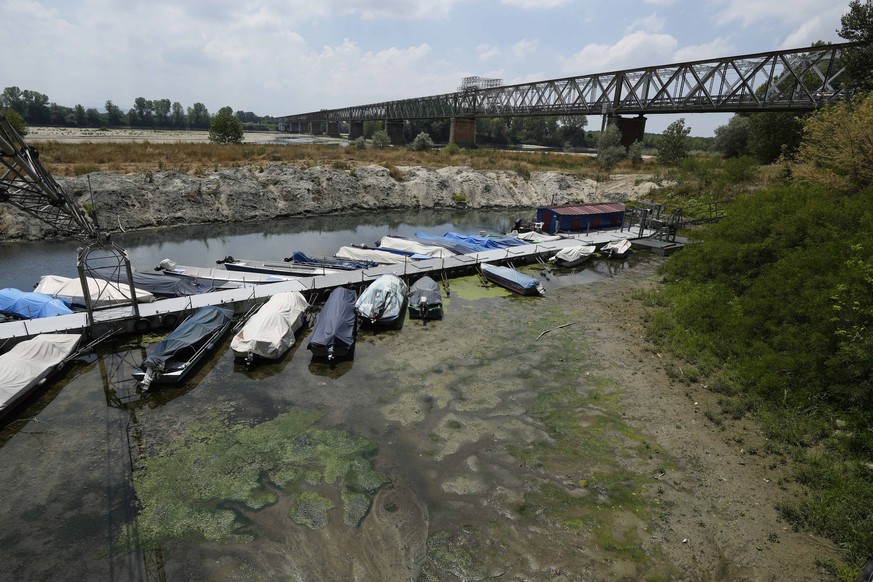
<point x="574" y="254"/>
<point x="383" y="300"/>
<point x="616" y="248"/>
<point x="26" y="364"/>
<point x="269" y="333"/>
<point x="535" y="237"/>
<point x="377" y="256"/>
<point x="411" y="246"/>
<point x="103" y="293"/>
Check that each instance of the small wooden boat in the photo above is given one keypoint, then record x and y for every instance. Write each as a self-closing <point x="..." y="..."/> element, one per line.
<point x="573" y="256"/>
<point x="173" y="358"/>
<point x="219" y="277"/>
<point x="513" y="280"/>
<point x="289" y="269"/>
<point x="335" y="327"/>
<point x="425" y="299"/>
<point x="383" y="303"/>
<point x="269" y="332"/>
<point x="616" y="249"/>
<point x="30" y="363"/>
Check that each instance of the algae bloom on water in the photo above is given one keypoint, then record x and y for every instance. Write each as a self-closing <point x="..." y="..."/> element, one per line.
<point x="186" y="489"/>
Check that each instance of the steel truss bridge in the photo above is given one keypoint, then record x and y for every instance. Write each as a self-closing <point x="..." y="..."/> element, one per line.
<point x="787" y="80"/>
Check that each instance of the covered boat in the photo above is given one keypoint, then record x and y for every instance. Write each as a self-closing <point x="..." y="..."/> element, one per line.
<point x="330" y="262"/>
<point x="30" y="363"/>
<point x="31" y="305"/>
<point x="383" y="302"/>
<point x="102" y="293"/>
<point x="219" y="277"/>
<point x="157" y="284"/>
<point x="512" y="280"/>
<point x="414" y="247"/>
<point x="573" y="256"/>
<point x="533" y="236"/>
<point x="269" y="333"/>
<point x="350" y="253"/>
<point x="616" y="249"/>
<point x="336" y="326"/>
<point x="290" y="269"/>
<point x="425" y="299"/>
<point x="173" y="358"/>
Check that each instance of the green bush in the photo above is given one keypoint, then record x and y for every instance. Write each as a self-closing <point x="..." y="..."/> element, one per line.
<point x="381" y="140"/>
<point x="421" y="143"/>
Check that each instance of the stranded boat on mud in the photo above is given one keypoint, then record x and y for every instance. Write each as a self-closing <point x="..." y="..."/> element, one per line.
<point x="425" y="299"/>
<point x="173" y="358"/>
<point x="269" y="332"/>
<point x="383" y="303"/>
<point x="616" y="249"/>
<point x="573" y="256"/>
<point x="336" y="326"/>
<point x="512" y="280"/>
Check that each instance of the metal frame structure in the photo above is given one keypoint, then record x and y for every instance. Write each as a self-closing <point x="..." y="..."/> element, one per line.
<point x="788" y="80"/>
<point x="27" y="185"/>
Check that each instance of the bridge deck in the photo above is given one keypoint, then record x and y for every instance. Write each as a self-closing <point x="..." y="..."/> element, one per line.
<point x="123" y="318"/>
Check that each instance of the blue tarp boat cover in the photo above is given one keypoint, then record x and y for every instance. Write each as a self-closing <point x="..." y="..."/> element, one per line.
<point x="299" y="257"/>
<point x="336" y="323"/>
<point x="154" y="283"/>
<point x="487" y="242"/>
<point x="441" y="241"/>
<point x="190" y="333"/>
<point x="31" y="305"/>
<point x="515" y="278"/>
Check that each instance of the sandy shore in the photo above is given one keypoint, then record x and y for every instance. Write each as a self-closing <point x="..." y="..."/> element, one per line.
<point x="81" y="135"/>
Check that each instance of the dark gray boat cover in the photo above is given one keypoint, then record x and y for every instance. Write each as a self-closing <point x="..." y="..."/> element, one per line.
<point x="336" y="322"/>
<point x="190" y="333"/>
<point x="425" y="288"/>
<point x="154" y="283"/>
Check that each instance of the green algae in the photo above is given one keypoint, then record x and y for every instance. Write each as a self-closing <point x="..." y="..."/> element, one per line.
<point x="356" y="506"/>
<point x="450" y="553"/>
<point x="185" y="488"/>
<point x="311" y="510"/>
<point x="472" y="289"/>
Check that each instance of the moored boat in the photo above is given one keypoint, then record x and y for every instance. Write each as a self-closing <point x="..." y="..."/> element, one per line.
<point x="269" y="332"/>
<point x="31" y="305"/>
<point x="30" y="363"/>
<point x="573" y="256"/>
<point x="101" y="293"/>
<point x="616" y="249"/>
<point x="174" y="357"/>
<point x="157" y="284"/>
<point x="300" y="258"/>
<point x="425" y="299"/>
<point x="382" y="257"/>
<point x="513" y="280"/>
<point x="289" y="269"/>
<point x="219" y="277"/>
<point x="335" y="326"/>
<point x="383" y="303"/>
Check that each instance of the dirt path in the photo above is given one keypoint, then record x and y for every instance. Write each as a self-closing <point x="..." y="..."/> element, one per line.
<point x="720" y="521"/>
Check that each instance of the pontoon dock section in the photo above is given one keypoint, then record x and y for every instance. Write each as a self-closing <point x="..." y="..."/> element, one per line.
<point x="166" y="312"/>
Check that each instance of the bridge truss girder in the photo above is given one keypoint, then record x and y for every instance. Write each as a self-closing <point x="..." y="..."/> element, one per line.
<point x="788" y="80"/>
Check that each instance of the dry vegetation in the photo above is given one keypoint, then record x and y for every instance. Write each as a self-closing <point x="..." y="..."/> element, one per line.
<point x="68" y="159"/>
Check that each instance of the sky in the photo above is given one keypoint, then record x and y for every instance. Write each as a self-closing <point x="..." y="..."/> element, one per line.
<point x="281" y="57"/>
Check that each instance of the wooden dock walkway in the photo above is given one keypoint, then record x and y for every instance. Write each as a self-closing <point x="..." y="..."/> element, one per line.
<point x="164" y="313"/>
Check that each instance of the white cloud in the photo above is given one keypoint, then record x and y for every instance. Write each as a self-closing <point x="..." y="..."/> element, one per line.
<point x="637" y="49"/>
<point x="488" y="52"/>
<point x="536" y="4"/>
<point x="747" y="12"/>
<point x="661" y="2"/>
<point x="719" y="47"/>
<point x="524" y="48"/>
<point x="651" y="23"/>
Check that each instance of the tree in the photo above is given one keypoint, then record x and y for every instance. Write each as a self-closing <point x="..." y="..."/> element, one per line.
<point x="672" y="148"/>
<point x="773" y="135"/>
<point x="732" y="140"/>
<point x="198" y="116"/>
<point x="837" y="149"/>
<point x="381" y="139"/>
<point x="609" y="148"/>
<point x="16" y="121"/>
<point x="177" y="118"/>
<point x="635" y="153"/>
<point x="225" y="127"/>
<point x="857" y="25"/>
<point x="421" y="143"/>
<point x="114" y="116"/>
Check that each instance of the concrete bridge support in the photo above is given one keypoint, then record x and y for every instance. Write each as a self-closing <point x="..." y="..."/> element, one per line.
<point x="333" y="128"/>
<point x="631" y="128"/>
<point x="317" y="127"/>
<point x="356" y="130"/>
<point x="463" y="132"/>
<point x="394" y="129"/>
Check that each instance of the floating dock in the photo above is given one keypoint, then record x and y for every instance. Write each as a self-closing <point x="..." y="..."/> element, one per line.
<point x="165" y="313"/>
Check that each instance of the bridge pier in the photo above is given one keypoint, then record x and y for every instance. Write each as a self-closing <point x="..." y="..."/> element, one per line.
<point x="317" y="127"/>
<point x="333" y="128"/>
<point x="462" y="132"/>
<point x="394" y="128"/>
<point x="356" y="130"/>
<point x="631" y="128"/>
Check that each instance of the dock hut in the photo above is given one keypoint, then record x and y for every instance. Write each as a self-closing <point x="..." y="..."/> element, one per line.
<point x="580" y="218"/>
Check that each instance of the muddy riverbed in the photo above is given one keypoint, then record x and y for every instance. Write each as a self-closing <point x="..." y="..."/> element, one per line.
<point x="517" y="439"/>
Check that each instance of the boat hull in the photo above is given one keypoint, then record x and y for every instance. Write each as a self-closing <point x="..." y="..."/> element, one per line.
<point x="333" y="336"/>
<point x="512" y="280"/>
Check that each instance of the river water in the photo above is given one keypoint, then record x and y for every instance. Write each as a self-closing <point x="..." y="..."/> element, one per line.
<point x="255" y="474"/>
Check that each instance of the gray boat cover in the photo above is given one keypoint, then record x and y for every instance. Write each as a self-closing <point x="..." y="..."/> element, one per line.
<point x="269" y="333"/>
<point x="374" y="255"/>
<point x="511" y="276"/>
<point x="415" y="247"/>
<point x="573" y="254"/>
<point x="103" y="293"/>
<point x="31" y="305"/>
<point x="336" y="323"/>
<point x="155" y="283"/>
<point x="189" y="334"/>
<point x="427" y="289"/>
<point x="383" y="300"/>
<point x="26" y="364"/>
